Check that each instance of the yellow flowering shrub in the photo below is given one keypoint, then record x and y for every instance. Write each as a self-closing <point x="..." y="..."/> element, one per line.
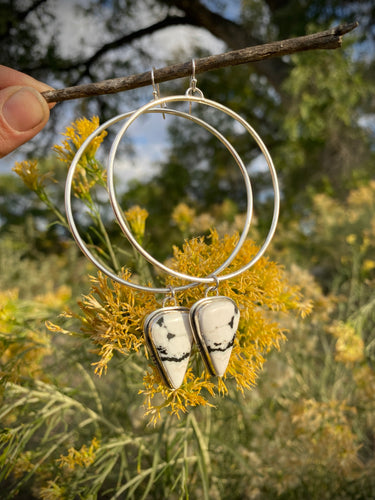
<point x="300" y="442"/>
<point x="113" y="314"/>
<point x="22" y="347"/>
<point x="23" y="464"/>
<point x="324" y="430"/>
<point x="351" y="224"/>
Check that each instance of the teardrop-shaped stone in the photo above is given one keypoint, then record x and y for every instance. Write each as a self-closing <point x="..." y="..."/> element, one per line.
<point x="169" y="339"/>
<point x="214" y="321"/>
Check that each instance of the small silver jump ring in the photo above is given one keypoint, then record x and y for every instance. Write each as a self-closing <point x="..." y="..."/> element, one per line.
<point x="213" y="288"/>
<point x="190" y="91"/>
<point x="170" y="297"/>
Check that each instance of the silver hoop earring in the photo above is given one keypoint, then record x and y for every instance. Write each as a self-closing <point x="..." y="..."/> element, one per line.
<point x="212" y="321"/>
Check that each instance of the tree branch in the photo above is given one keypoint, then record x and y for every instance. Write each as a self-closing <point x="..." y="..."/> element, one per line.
<point x="329" y="39"/>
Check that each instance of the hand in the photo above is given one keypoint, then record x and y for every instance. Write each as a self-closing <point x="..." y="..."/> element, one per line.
<point x="23" y="110"/>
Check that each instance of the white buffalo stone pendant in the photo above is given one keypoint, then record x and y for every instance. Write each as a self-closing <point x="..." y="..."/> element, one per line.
<point x="169" y="339"/>
<point x="214" y="322"/>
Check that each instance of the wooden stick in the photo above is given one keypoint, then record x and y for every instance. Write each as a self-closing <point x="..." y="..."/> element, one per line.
<point x="329" y="39"/>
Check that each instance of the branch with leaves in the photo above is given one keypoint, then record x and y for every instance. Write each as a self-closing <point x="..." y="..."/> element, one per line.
<point x="329" y="39"/>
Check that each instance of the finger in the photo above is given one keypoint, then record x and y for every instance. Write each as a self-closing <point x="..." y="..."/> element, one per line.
<point x="23" y="113"/>
<point x="11" y="78"/>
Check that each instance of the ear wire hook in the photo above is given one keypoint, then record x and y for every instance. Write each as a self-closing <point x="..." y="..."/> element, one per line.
<point x="156" y="89"/>
<point x="193" y="85"/>
<point x="193" y="80"/>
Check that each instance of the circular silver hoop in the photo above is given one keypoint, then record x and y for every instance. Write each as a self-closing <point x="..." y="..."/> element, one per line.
<point x="127" y="231"/>
<point x="118" y="211"/>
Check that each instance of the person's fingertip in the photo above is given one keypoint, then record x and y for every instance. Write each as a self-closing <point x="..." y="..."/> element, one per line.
<point x="25" y="109"/>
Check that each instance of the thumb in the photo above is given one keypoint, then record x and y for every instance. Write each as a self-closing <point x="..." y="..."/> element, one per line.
<point x="23" y="113"/>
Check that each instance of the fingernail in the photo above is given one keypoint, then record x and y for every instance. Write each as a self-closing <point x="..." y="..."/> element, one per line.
<point x="24" y="109"/>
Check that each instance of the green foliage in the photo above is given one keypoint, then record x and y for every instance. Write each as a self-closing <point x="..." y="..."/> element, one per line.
<point x="327" y="150"/>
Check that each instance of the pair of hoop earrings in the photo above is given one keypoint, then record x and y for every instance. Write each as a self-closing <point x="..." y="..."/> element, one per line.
<point x="211" y="322"/>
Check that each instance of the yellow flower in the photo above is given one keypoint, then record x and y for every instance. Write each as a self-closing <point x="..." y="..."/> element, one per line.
<point x="8" y="305"/>
<point x="113" y="316"/>
<point x="75" y="135"/>
<point x="349" y="345"/>
<point x="52" y="491"/>
<point x="23" y="464"/>
<point x="30" y="174"/>
<point x="183" y="216"/>
<point x="88" y="166"/>
<point x="83" y="457"/>
<point x="56" y="298"/>
<point x="202" y="223"/>
<point x="368" y="265"/>
<point x="136" y="216"/>
<point x="228" y="209"/>
<point x="364" y="377"/>
<point x="176" y="401"/>
<point x="365" y="244"/>
<point x="351" y="239"/>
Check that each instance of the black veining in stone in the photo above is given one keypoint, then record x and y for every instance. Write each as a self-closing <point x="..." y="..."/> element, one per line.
<point x="222" y="349"/>
<point x="161" y="351"/>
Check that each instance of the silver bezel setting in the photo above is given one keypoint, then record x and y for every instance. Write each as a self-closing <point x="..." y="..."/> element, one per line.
<point x="147" y="328"/>
<point x="197" y="332"/>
